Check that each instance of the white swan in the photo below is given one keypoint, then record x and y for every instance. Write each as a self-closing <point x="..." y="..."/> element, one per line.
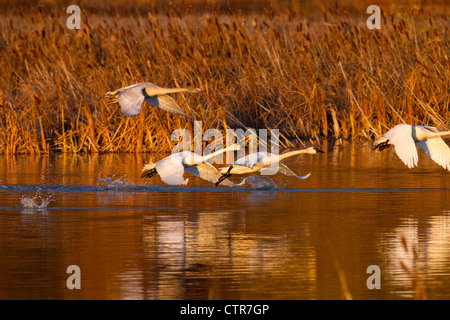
<point x="171" y="169"/>
<point x="131" y="98"/>
<point x="204" y="170"/>
<point x="405" y="137"/>
<point x="262" y="162"/>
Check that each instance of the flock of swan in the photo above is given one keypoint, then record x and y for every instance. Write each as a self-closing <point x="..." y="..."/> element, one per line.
<point x="403" y="137"/>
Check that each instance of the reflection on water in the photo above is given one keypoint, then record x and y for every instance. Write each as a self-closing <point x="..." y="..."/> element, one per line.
<point x="140" y="239"/>
<point x="431" y="239"/>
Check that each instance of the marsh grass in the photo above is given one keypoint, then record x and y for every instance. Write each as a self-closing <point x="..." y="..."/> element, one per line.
<point x="320" y="74"/>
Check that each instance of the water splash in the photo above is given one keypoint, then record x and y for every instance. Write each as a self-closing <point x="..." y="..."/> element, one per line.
<point x="261" y="183"/>
<point x="33" y="203"/>
<point x="118" y="184"/>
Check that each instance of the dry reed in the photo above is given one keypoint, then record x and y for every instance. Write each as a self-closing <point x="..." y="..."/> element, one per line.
<point x="320" y="74"/>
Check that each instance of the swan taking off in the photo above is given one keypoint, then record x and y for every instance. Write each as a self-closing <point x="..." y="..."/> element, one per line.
<point x="405" y="137"/>
<point x="131" y="98"/>
<point x="205" y="171"/>
<point x="171" y="169"/>
<point x="262" y="161"/>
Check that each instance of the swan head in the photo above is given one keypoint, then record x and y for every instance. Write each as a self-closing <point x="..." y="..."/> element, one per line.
<point x="314" y="150"/>
<point x="381" y="144"/>
<point x="194" y="89"/>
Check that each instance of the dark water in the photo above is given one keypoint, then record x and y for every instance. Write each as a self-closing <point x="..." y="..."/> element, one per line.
<point x="305" y="239"/>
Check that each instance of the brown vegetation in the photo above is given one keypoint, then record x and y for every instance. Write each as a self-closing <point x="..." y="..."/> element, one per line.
<point x="319" y="74"/>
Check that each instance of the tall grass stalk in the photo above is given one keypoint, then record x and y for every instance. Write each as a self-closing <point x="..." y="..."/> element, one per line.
<point x="314" y="74"/>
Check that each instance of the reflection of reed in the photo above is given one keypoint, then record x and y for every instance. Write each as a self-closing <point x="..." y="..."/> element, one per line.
<point x="71" y="169"/>
<point x="131" y="284"/>
<point x="417" y="256"/>
<point x="345" y="291"/>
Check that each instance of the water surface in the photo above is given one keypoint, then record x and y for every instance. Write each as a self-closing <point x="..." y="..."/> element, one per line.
<point x="140" y="239"/>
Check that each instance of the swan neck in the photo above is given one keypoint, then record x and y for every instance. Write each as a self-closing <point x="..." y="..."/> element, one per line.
<point x="172" y="90"/>
<point x="159" y="91"/>
<point x="211" y="155"/>
<point x="440" y="134"/>
<point x="422" y="135"/>
<point x="290" y="154"/>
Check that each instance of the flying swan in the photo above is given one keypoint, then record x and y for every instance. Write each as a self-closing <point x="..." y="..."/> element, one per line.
<point x="405" y="137"/>
<point x="131" y="98"/>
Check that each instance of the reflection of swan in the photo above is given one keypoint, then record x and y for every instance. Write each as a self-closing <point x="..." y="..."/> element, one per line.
<point x="171" y="169"/>
<point x="131" y="98"/>
<point x="262" y="161"/>
<point x="404" y="137"/>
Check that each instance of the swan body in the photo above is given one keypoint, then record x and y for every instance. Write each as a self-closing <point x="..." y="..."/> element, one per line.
<point x="171" y="169"/>
<point x="131" y="98"/>
<point x="209" y="173"/>
<point x="405" y="137"/>
<point x="263" y="161"/>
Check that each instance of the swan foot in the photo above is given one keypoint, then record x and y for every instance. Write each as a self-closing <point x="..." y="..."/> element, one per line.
<point x="224" y="176"/>
<point x="149" y="173"/>
<point x="381" y="146"/>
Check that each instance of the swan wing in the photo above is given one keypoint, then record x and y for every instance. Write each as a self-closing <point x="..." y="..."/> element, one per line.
<point x="237" y="169"/>
<point x="205" y="171"/>
<point x="247" y="164"/>
<point x="166" y="103"/>
<point x="405" y="148"/>
<point x="209" y="173"/>
<point x="140" y="85"/>
<point x="131" y="98"/>
<point x="171" y="170"/>
<point x="284" y="169"/>
<point x="437" y="150"/>
<point x="243" y="165"/>
<point x="251" y="160"/>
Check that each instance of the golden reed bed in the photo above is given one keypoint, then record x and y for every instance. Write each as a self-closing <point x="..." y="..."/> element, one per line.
<point x="311" y="71"/>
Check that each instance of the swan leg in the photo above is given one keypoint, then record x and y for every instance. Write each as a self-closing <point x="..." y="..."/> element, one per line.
<point x="224" y="176"/>
<point x="149" y="173"/>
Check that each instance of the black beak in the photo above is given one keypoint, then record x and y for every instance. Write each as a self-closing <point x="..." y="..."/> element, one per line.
<point x="318" y="150"/>
<point x="149" y="173"/>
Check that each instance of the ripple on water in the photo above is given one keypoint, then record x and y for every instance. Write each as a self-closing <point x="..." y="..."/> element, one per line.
<point x="119" y="184"/>
<point x="36" y="202"/>
<point x="261" y="183"/>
